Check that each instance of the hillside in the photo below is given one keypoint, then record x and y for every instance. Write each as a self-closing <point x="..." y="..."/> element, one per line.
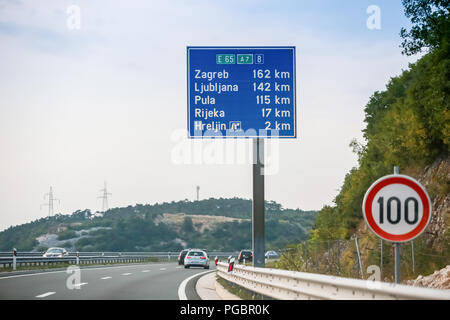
<point x="219" y="224"/>
<point x="407" y="125"/>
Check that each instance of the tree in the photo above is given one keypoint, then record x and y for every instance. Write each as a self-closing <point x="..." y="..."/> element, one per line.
<point x="431" y="26"/>
<point x="188" y="226"/>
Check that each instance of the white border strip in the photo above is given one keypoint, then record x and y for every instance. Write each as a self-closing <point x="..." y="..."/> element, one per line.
<point x="45" y="294"/>
<point x="182" y="287"/>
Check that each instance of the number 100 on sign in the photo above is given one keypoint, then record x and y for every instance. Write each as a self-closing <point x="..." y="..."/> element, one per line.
<point x="397" y="208"/>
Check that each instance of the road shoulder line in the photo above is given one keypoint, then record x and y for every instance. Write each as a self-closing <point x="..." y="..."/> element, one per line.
<point x="182" y="288"/>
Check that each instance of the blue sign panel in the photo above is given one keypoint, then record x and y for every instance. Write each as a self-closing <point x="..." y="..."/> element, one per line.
<point x="246" y="92"/>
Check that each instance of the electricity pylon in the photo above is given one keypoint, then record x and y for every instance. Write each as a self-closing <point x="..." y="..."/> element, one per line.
<point x="51" y="199"/>
<point x="104" y="196"/>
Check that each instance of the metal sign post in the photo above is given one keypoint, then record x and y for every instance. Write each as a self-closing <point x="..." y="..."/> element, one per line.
<point x="397" y="262"/>
<point x="397" y="249"/>
<point x="381" y="258"/>
<point x="258" y="204"/>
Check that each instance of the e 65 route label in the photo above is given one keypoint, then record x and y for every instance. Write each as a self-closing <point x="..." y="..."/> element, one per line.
<point x="246" y="92"/>
<point x="397" y="208"/>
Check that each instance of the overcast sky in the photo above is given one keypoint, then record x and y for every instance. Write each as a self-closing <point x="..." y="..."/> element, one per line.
<point x="107" y="102"/>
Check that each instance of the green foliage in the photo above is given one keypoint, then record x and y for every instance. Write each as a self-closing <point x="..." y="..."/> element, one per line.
<point x="329" y="225"/>
<point x="67" y="234"/>
<point x="23" y="237"/>
<point x="41" y="249"/>
<point x="187" y="226"/>
<point x="430" y="25"/>
<point x="408" y="125"/>
<point x="130" y="233"/>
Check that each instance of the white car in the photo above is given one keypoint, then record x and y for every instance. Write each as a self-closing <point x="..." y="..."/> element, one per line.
<point x="196" y="258"/>
<point x="55" y="253"/>
<point x="271" y="255"/>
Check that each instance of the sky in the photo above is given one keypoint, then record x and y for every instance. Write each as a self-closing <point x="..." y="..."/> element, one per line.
<point x="99" y="94"/>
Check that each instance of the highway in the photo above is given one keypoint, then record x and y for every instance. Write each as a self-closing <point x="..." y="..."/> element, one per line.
<point x="153" y="281"/>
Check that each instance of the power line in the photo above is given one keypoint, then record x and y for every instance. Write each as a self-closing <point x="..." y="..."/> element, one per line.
<point x="51" y="199"/>
<point x="104" y="196"/>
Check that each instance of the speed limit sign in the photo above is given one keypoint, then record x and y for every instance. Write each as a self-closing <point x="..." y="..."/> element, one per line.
<point x="397" y="208"/>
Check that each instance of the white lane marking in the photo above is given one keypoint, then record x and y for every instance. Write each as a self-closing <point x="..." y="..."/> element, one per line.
<point x="146" y="270"/>
<point x="84" y="269"/>
<point x="163" y="269"/>
<point x="80" y="284"/>
<point x="126" y="274"/>
<point x="104" y="278"/>
<point x="178" y="267"/>
<point x="45" y="294"/>
<point x="182" y="287"/>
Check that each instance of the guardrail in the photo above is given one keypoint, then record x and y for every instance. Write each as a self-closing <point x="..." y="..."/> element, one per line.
<point x="293" y="285"/>
<point x="36" y="258"/>
<point x="41" y="261"/>
<point x="7" y="254"/>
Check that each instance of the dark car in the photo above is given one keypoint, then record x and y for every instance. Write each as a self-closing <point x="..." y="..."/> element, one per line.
<point x="246" y="255"/>
<point x="181" y="256"/>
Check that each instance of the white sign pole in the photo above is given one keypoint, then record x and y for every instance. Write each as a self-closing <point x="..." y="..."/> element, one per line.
<point x="14" y="258"/>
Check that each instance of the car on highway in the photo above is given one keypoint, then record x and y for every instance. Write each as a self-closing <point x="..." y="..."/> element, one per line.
<point x="55" y="253"/>
<point x="181" y="256"/>
<point x="271" y="255"/>
<point x="196" y="258"/>
<point x="246" y="255"/>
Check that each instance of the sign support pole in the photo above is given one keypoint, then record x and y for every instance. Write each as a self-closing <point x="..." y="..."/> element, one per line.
<point x="381" y="258"/>
<point x="397" y="250"/>
<point x="397" y="262"/>
<point x="258" y="204"/>
<point x="14" y="258"/>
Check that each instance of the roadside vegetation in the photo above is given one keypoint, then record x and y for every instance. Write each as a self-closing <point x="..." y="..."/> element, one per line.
<point x="407" y="125"/>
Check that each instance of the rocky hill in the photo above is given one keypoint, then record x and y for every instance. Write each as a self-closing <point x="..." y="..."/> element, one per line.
<point x="216" y="224"/>
<point x="408" y="126"/>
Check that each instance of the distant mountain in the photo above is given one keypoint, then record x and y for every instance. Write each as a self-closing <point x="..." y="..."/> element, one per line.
<point x="215" y="224"/>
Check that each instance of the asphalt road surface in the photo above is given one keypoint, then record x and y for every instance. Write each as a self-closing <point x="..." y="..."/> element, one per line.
<point x="152" y="281"/>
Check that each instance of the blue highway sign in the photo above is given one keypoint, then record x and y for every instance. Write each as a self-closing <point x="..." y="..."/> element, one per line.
<point x="246" y="92"/>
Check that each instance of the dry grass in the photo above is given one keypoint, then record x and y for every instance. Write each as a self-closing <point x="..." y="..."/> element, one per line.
<point x="201" y="222"/>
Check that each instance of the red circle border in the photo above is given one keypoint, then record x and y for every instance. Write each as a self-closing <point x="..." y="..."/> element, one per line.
<point x="368" y="215"/>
